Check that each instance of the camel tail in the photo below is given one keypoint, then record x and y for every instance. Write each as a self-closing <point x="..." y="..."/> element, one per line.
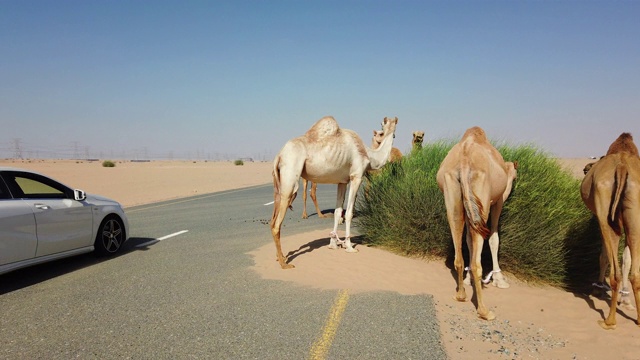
<point x="276" y="187"/>
<point x="472" y="207"/>
<point x="620" y="182"/>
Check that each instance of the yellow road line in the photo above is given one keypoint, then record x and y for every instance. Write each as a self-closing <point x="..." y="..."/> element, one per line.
<point x="321" y="347"/>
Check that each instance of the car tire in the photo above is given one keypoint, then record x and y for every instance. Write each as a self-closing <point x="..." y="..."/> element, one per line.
<point x="110" y="237"/>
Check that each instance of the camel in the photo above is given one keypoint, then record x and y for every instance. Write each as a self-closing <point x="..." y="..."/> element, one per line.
<point x="475" y="181"/>
<point x="378" y="136"/>
<point x="416" y="142"/>
<point x="325" y="154"/>
<point x="601" y="287"/>
<point x="611" y="191"/>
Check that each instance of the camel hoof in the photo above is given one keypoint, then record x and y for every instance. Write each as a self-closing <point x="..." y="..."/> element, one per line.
<point x="501" y="284"/>
<point x="351" y="250"/>
<point x="333" y="246"/>
<point x="460" y="299"/>
<point x="627" y="304"/>
<point x="287" y="266"/>
<point x="489" y="316"/>
<point x="603" y="324"/>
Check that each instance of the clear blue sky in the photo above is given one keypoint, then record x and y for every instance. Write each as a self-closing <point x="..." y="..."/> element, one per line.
<point x="215" y="79"/>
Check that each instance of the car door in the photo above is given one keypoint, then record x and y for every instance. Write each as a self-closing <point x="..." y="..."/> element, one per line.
<point x="62" y="223"/>
<point x="18" y="239"/>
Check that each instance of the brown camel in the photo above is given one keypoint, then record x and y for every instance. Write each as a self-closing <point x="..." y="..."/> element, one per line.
<point x="475" y="181"/>
<point x="325" y="154"/>
<point x="611" y="190"/>
<point x="601" y="287"/>
<point x="416" y="142"/>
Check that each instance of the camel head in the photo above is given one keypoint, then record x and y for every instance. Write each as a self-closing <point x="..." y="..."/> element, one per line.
<point x="378" y="136"/>
<point x="624" y="143"/>
<point x="389" y="126"/>
<point x="418" y="137"/>
<point x="587" y="168"/>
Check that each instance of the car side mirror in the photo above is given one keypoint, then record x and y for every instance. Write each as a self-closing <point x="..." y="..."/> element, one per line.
<point x="79" y="195"/>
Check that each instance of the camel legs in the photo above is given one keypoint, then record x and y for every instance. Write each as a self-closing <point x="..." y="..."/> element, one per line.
<point x="314" y="189"/>
<point x="353" y="191"/>
<point x="314" y="198"/>
<point x="475" y="252"/>
<point x="337" y="215"/>
<point x="610" y="243"/>
<point x="283" y="197"/>
<point x="494" y="244"/>
<point x="633" y="238"/>
<point x="304" y="197"/>
<point x="455" y="217"/>
<point x="337" y="219"/>
<point x="601" y="287"/>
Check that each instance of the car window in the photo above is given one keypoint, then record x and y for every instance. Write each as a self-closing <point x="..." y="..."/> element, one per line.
<point x="4" y="193"/>
<point x="33" y="186"/>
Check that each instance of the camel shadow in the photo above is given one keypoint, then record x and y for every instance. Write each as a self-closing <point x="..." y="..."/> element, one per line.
<point x="317" y="244"/>
<point x="590" y="299"/>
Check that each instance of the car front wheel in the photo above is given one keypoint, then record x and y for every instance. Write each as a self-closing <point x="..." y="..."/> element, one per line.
<point x="110" y="236"/>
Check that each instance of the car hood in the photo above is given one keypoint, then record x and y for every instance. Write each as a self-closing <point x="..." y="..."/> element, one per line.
<point x="101" y="200"/>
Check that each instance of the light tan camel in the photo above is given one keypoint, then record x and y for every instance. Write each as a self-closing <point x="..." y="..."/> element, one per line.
<point x="325" y="154"/>
<point x="475" y="181"/>
<point x="378" y="136"/>
<point x="601" y="287"/>
<point x="416" y="142"/>
<point x="611" y="190"/>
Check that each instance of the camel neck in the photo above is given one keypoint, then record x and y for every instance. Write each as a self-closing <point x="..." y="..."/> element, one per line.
<point x="380" y="156"/>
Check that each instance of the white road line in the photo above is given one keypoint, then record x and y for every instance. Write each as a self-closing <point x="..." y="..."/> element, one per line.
<point x="269" y="203"/>
<point x="162" y="238"/>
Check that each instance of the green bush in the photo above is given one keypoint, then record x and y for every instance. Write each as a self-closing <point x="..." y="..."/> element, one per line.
<point x="238" y="162"/>
<point x="108" y="163"/>
<point x="547" y="235"/>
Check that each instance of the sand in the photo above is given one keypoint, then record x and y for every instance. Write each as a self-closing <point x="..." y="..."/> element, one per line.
<point x="533" y="322"/>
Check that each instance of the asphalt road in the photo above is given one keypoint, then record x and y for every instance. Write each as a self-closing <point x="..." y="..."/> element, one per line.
<point x="182" y="289"/>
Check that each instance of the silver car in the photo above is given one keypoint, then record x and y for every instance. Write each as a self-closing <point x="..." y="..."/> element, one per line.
<point x="43" y="220"/>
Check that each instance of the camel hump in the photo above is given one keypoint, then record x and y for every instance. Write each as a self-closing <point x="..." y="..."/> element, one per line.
<point x="475" y="133"/>
<point x="624" y="143"/>
<point x="323" y="128"/>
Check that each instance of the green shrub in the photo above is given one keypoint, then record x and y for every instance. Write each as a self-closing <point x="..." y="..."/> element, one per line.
<point x="108" y="163"/>
<point x="547" y="235"/>
<point x="238" y="162"/>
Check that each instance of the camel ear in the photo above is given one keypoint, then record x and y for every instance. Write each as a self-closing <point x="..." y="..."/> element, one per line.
<point x="374" y="133"/>
<point x="396" y="119"/>
<point x="515" y="165"/>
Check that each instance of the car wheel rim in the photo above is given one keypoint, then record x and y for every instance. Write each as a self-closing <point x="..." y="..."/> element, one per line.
<point x="112" y="236"/>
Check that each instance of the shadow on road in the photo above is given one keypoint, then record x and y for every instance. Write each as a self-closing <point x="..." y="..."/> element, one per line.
<point x="32" y="275"/>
